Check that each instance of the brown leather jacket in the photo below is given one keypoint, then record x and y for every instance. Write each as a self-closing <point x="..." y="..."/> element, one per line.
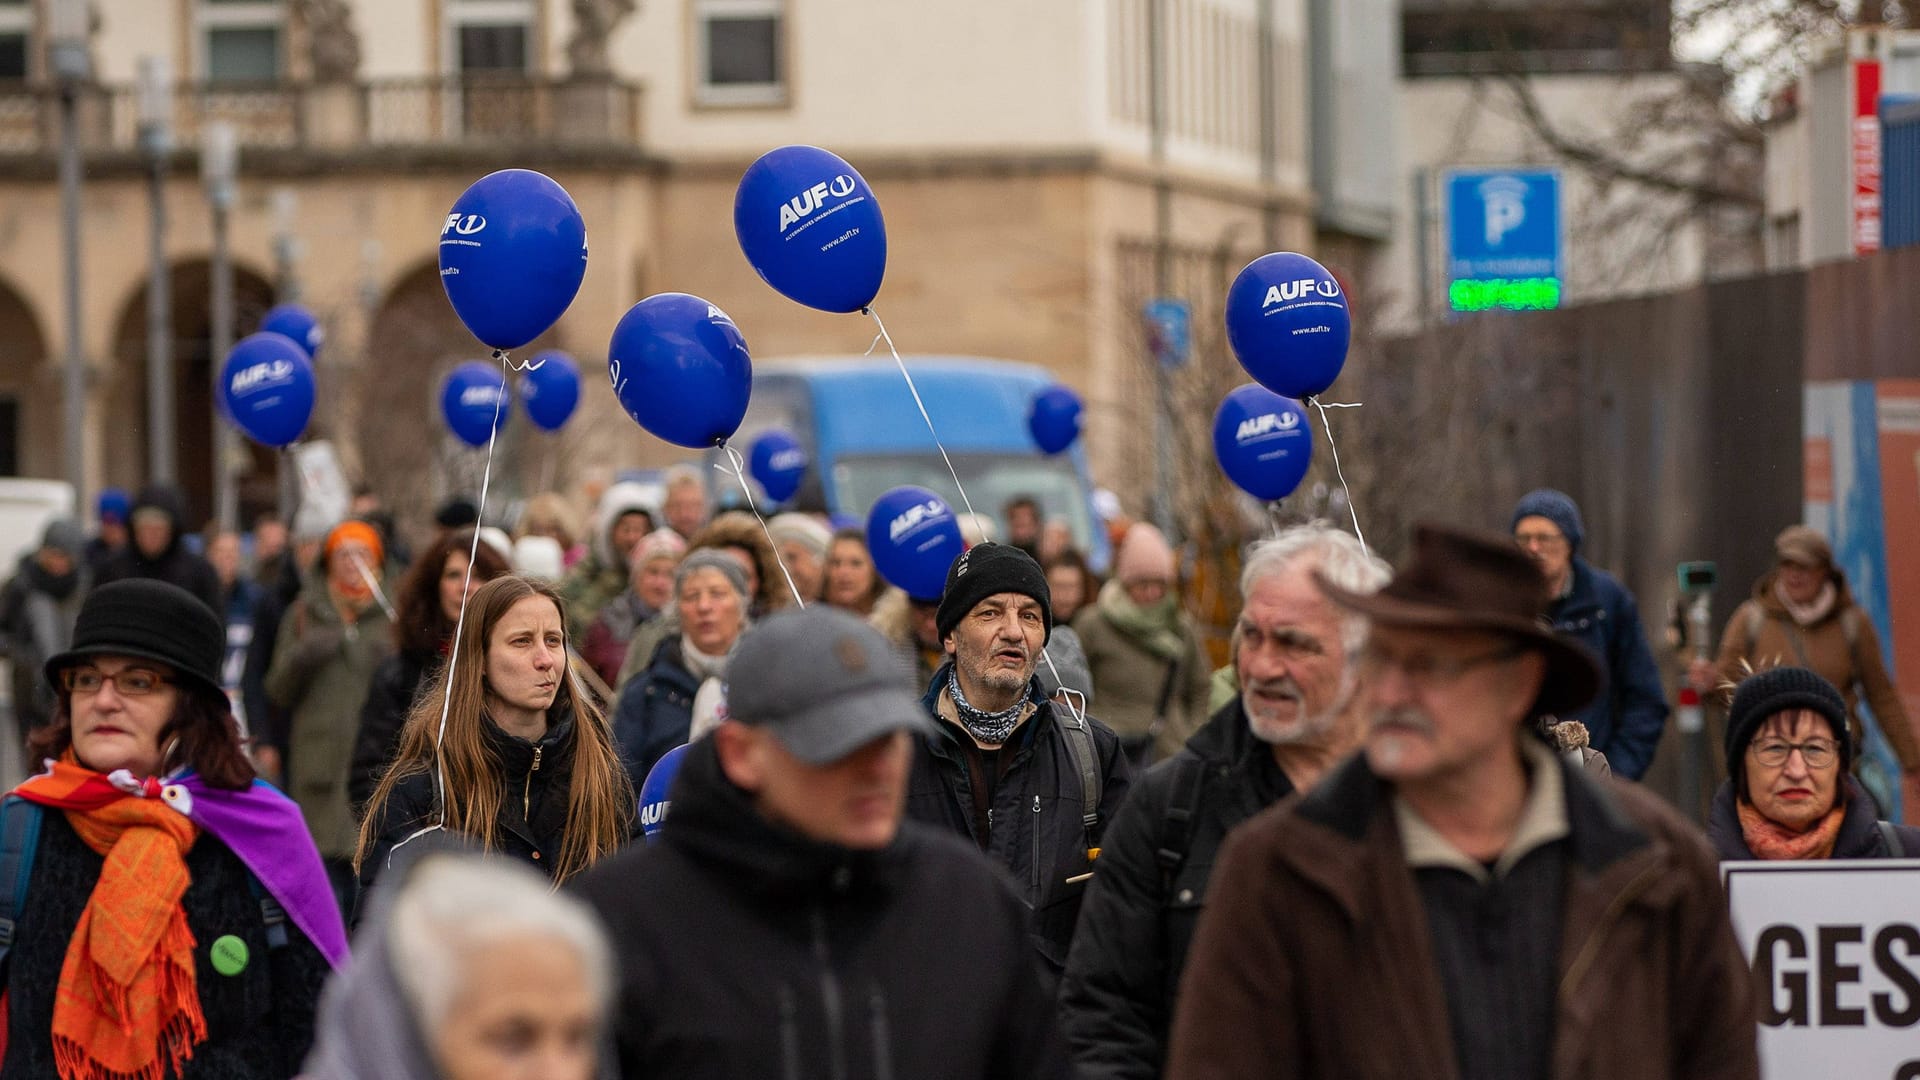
<point x="1313" y="960"/>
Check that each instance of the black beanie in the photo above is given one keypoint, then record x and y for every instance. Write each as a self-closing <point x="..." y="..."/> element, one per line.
<point x="148" y="620"/>
<point x="990" y="569"/>
<point x="1778" y="690"/>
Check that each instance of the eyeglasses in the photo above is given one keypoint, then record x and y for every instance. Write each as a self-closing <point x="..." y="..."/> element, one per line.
<point x="129" y="682"/>
<point x="1543" y="540"/>
<point x="1427" y="671"/>
<point x="1818" y="753"/>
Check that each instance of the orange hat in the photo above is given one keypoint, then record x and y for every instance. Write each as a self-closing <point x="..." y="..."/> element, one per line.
<point x="356" y="532"/>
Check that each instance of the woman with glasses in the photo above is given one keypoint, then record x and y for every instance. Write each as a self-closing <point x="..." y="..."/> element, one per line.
<point x="166" y="913"/>
<point x="1789" y="794"/>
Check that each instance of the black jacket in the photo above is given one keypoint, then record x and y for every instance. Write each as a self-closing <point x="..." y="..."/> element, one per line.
<point x="1860" y="836"/>
<point x="397" y="683"/>
<point x="745" y="949"/>
<point x="175" y="564"/>
<point x="1037" y="832"/>
<point x="268" y="723"/>
<point x="533" y="805"/>
<point x="1117" y="998"/>
<point x="654" y="713"/>
<point x="259" y="1022"/>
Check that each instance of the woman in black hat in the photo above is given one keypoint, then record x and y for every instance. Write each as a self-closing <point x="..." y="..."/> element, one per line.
<point x="168" y="913"/>
<point x="1789" y="794"/>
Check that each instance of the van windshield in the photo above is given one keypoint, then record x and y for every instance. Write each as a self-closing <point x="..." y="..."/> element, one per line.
<point x="992" y="480"/>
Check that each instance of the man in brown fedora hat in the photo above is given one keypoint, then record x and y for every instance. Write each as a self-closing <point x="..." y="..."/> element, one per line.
<point x="1458" y="901"/>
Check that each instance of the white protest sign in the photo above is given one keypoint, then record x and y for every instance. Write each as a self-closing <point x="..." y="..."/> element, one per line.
<point x="1835" y="951"/>
<point x="325" y="498"/>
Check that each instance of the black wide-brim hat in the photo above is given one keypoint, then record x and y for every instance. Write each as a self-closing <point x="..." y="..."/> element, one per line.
<point x="144" y="619"/>
<point x="1459" y="579"/>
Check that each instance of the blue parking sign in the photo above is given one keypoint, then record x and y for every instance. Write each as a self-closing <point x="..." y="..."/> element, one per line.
<point x="1503" y="224"/>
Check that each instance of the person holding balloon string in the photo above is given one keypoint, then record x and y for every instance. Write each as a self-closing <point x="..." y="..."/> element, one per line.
<point x="506" y="752"/>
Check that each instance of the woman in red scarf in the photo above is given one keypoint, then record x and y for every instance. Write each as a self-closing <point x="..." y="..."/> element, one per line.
<point x="177" y="921"/>
<point x="1789" y="794"/>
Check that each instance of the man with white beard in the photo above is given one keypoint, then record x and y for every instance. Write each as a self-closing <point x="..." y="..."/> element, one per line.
<point x="1295" y="717"/>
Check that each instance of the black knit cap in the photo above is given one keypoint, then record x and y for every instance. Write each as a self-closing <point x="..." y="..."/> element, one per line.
<point x="148" y="620"/>
<point x="1778" y="690"/>
<point x="990" y="569"/>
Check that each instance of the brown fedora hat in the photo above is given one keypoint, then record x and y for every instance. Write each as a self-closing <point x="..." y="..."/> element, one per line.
<point x="1460" y="579"/>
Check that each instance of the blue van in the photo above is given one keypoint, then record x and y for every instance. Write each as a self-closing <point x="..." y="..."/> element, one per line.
<point x="863" y="435"/>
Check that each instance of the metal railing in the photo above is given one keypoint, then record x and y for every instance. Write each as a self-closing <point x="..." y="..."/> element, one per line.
<point x="418" y="113"/>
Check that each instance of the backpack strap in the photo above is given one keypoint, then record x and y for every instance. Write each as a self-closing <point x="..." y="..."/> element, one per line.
<point x="1079" y="740"/>
<point x="1176" y="828"/>
<point x="1890" y="839"/>
<point x="19" y="840"/>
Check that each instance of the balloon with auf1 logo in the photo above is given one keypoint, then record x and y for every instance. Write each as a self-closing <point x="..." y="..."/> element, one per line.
<point x="550" y="390"/>
<point x="1288" y="323"/>
<point x="266" y="388"/>
<point x="654" y="792"/>
<point x="474" y="402"/>
<point x="810" y="226"/>
<point x="297" y="323"/>
<point x="680" y="368"/>
<point x="914" y="537"/>
<point x="779" y="462"/>
<point x="1262" y="442"/>
<point x="1054" y="419"/>
<point x="513" y="251"/>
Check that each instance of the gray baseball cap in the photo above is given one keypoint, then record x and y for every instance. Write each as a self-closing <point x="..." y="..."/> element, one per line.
<point x="823" y="681"/>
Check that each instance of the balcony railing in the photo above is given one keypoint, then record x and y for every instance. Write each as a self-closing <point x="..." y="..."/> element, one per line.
<point x="474" y="112"/>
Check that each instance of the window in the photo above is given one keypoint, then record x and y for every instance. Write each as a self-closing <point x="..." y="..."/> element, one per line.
<point x="490" y="35"/>
<point x="241" y="40"/>
<point x="16" y="28"/>
<point x="741" y="52"/>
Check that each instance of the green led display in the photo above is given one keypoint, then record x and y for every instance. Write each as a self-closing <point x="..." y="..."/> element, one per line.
<point x="1509" y="294"/>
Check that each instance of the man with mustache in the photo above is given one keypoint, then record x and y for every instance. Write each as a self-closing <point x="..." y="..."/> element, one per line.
<point x="1459" y="901"/>
<point x="1294" y="717"/>
<point x="1031" y="783"/>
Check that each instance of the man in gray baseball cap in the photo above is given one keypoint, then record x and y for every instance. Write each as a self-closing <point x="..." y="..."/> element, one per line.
<point x="830" y="936"/>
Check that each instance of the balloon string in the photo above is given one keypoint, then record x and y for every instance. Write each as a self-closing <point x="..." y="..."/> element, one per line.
<point x="1337" y="471"/>
<point x="951" y="471"/>
<point x="534" y="364"/>
<point x="366" y="575"/>
<point x="1077" y="711"/>
<point x="733" y="457"/>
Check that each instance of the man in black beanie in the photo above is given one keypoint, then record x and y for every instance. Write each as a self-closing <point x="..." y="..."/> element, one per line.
<point x="1032" y="783"/>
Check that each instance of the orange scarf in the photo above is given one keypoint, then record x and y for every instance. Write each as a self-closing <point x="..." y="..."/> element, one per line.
<point x="1768" y="839"/>
<point x="127" y="1007"/>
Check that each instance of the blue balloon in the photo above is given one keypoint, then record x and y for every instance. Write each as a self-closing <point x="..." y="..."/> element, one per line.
<point x="1055" y="419"/>
<point x="550" y="391"/>
<point x="654" y="802"/>
<point x="681" y="370"/>
<point x="512" y="253"/>
<point x="473" y="400"/>
<point x="810" y="226"/>
<point x="914" y="538"/>
<point x="296" y="322"/>
<point x="266" y="388"/>
<point x="1288" y="323"/>
<point x="779" y="462"/>
<point x="1262" y="441"/>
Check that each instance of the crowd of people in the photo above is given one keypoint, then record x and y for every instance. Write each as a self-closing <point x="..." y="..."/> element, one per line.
<point x="1026" y="828"/>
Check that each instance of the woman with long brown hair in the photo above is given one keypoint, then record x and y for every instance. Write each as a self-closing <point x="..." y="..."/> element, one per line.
<point x="526" y="765"/>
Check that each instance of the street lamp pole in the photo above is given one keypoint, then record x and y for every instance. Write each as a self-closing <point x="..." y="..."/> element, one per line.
<point x="67" y="52"/>
<point x="219" y="161"/>
<point x="156" y="142"/>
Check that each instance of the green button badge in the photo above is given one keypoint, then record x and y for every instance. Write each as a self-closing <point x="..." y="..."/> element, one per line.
<point x="230" y="955"/>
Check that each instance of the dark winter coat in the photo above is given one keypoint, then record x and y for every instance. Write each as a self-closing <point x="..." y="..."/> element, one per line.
<point x="37" y="611"/>
<point x="175" y="564"/>
<point x="537" y="779"/>
<point x="1118" y="995"/>
<point x="1037" y="832"/>
<point x="1860" y="836"/>
<point x="1314" y="959"/>
<point x="745" y="949"/>
<point x="259" y="1022"/>
<point x="398" y="682"/>
<point x="269" y="724"/>
<point x="1626" y="718"/>
<point x="655" y="711"/>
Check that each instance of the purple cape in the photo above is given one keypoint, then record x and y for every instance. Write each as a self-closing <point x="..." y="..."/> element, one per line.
<point x="265" y="829"/>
